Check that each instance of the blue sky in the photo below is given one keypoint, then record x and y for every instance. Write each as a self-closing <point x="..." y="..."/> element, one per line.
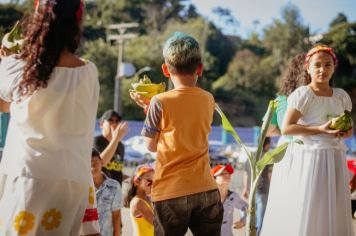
<point x="315" y="13"/>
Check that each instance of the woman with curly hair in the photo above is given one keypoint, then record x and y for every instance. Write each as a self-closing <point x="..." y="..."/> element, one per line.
<point x="291" y="79"/>
<point x="53" y="97"/>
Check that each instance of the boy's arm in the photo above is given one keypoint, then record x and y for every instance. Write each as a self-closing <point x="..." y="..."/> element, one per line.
<point x="152" y="143"/>
<point x="151" y="127"/>
<point x="116" y="222"/>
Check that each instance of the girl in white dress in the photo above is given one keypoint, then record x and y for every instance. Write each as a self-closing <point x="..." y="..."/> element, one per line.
<point x="309" y="194"/>
<point x="53" y="96"/>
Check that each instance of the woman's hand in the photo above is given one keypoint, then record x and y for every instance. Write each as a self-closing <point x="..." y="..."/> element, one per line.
<point x="140" y="100"/>
<point x="4" y="52"/>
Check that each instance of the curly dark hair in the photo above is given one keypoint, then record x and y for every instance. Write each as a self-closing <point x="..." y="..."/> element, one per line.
<point x="132" y="191"/>
<point x="49" y="31"/>
<point x="293" y="76"/>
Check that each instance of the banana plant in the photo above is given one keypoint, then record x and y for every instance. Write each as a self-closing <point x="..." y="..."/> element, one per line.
<point x="257" y="161"/>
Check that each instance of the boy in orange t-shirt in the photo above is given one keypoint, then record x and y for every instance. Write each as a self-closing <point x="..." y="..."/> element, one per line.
<point x="177" y="126"/>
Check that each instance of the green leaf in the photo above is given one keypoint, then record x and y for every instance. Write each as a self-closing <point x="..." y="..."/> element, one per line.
<point x="226" y="125"/>
<point x="272" y="106"/>
<point x="275" y="155"/>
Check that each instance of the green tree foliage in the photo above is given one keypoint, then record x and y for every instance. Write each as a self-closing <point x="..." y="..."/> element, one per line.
<point x="241" y="73"/>
<point x="105" y="58"/>
<point x="340" y="18"/>
<point x="9" y="14"/>
<point x="285" y="38"/>
<point x="342" y="37"/>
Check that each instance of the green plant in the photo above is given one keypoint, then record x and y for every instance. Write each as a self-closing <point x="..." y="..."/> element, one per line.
<point x="257" y="164"/>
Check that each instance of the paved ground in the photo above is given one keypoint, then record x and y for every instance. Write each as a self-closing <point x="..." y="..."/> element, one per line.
<point x="127" y="229"/>
<point x="235" y="185"/>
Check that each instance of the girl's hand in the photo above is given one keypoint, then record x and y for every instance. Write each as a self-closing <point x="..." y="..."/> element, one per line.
<point x="326" y="130"/>
<point x="140" y="100"/>
<point x="347" y="134"/>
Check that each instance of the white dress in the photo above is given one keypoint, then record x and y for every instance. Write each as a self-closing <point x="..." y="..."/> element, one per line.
<point x="45" y="169"/>
<point x="309" y="194"/>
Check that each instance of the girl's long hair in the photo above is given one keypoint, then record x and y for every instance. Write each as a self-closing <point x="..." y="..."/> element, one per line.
<point x="131" y="192"/>
<point x="53" y="28"/>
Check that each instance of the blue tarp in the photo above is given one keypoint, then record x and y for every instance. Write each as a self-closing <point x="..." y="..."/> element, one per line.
<point x="248" y="135"/>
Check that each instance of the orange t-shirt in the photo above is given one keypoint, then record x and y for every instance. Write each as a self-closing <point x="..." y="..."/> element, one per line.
<point x="183" y="123"/>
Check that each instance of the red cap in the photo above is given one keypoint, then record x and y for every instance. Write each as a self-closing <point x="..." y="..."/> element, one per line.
<point x="217" y="170"/>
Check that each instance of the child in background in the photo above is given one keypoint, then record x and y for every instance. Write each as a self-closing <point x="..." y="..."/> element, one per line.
<point x="309" y="186"/>
<point x="108" y="195"/>
<point x="230" y="199"/>
<point x="141" y="211"/>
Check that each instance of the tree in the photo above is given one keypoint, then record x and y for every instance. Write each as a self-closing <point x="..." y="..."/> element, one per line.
<point x="285" y="38"/>
<point x="9" y="14"/>
<point x="104" y="57"/>
<point x="159" y="12"/>
<point x="342" y="38"/>
<point x="340" y="18"/>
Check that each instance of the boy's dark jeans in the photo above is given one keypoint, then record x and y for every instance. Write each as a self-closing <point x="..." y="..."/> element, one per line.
<point x="202" y="213"/>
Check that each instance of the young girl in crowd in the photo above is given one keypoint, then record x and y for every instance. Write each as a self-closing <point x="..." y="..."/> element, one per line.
<point x="309" y="193"/>
<point x="230" y="199"/>
<point x="141" y="211"/>
<point x="53" y="97"/>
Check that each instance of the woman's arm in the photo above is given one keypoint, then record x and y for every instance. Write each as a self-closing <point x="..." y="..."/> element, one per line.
<point x="273" y="131"/>
<point x="290" y="126"/>
<point x="4" y="106"/>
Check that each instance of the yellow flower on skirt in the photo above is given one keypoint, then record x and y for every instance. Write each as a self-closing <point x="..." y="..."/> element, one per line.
<point x="51" y="219"/>
<point x="91" y="196"/>
<point x="24" y="222"/>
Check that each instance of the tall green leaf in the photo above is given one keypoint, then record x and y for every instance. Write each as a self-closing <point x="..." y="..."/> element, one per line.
<point x="274" y="156"/>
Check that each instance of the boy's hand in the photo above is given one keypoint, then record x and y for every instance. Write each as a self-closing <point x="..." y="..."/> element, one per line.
<point x="239" y="224"/>
<point x="120" y="131"/>
<point x="140" y="100"/>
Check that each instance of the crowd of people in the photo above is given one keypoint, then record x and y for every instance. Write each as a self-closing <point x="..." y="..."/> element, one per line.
<point x="49" y="185"/>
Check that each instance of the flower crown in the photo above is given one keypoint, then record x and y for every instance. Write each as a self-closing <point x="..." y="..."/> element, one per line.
<point x="320" y="48"/>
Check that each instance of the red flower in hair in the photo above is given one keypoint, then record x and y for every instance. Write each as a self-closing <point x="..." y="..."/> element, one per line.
<point x="79" y="12"/>
<point x="36" y="3"/>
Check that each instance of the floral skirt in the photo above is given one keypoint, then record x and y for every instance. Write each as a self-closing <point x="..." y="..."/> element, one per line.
<point x="41" y="207"/>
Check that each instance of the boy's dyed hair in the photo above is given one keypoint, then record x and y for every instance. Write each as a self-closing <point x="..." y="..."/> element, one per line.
<point x="182" y="54"/>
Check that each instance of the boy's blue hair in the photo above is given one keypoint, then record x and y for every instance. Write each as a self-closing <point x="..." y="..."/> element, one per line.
<point x="181" y="53"/>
